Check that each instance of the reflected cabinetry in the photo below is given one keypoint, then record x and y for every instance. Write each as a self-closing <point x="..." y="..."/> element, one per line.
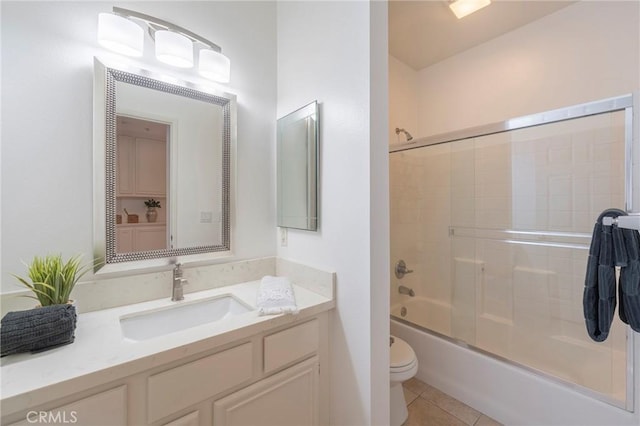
<point x="140" y="237"/>
<point x="141" y="173"/>
<point x="141" y="167"/>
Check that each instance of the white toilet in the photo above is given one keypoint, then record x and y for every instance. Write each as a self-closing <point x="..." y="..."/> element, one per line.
<point x="404" y="365"/>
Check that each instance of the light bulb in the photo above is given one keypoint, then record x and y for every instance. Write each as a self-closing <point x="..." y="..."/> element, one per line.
<point x="462" y="8"/>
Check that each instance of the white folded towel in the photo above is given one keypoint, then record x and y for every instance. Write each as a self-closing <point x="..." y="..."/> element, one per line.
<point x="275" y="296"/>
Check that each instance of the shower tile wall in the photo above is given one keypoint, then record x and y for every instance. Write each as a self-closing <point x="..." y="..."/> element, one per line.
<point x="497" y="229"/>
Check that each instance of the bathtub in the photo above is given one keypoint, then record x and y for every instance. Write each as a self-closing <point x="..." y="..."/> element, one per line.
<point x="429" y="313"/>
<point x="506" y="391"/>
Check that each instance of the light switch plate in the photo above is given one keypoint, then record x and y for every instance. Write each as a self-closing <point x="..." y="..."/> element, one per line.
<point x="206" y="217"/>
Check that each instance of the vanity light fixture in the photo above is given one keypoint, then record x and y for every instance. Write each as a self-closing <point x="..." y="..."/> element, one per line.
<point x="214" y="65"/>
<point x="462" y="8"/>
<point x="120" y="34"/>
<point x="174" y="45"/>
<point x="174" y="49"/>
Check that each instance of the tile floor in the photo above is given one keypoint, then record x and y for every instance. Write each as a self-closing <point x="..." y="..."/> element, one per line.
<point x="429" y="406"/>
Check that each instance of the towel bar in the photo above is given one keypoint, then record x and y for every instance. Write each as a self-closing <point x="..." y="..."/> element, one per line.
<point x="631" y="221"/>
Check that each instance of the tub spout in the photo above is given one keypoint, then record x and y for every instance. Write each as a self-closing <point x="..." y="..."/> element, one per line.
<point x="406" y="290"/>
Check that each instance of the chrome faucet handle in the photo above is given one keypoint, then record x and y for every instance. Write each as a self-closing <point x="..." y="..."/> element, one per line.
<point x="177" y="270"/>
<point x="177" y="292"/>
<point x="401" y="269"/>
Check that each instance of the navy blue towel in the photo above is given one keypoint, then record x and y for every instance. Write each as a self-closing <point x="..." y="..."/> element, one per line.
<point x="611" y="247"/>
<point x="599" y="299"/>
<point x="629" y="289"/>
<point x="37" y="329"/>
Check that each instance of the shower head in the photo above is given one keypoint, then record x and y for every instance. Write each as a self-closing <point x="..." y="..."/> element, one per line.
<point x="407" y="134"/>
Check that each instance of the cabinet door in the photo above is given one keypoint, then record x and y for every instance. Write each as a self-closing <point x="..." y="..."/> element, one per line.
<point x="124" y="166"/>
<point x="106" y="408"/>
<point x="150" y="238"/>
<point x="289" y="398"/>
<point x="191" y="419"/>
<point x="124" y="240"/>
<point x="151" y="167"/>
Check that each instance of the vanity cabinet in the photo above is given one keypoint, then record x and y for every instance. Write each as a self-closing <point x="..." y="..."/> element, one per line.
<point x="106" y="408"/>
<point x="277" y="377"/>
<point x="140" y="237"/>
<point x="141" y="167"/>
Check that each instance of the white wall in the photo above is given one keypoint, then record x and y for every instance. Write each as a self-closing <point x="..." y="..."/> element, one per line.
<point x="47" y="68"/>
<point x="584" y="52"/>
<point x="336" y="52"/>
<point x="403" y="100"/>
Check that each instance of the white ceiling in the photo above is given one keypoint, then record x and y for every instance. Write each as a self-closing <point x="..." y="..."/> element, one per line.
<point x="424" y="32"/>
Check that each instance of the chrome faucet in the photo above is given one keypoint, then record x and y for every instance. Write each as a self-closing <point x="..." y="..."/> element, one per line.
<point x="178" y="283"/>
<point x="406" y="290"/>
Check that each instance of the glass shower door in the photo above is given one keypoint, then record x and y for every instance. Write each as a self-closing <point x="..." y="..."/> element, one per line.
<point x="497" y="229"/>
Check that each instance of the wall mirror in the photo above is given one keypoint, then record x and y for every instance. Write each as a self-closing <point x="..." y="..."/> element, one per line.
<point x="297" y="172"/>
<point x="162" y="167"/>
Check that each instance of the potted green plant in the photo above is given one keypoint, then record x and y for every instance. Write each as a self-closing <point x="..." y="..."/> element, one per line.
<point x="53" y="279"/>
<point x="152" y="214"/>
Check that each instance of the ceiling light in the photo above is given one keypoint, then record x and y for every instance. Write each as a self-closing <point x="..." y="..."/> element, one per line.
<point x="214" y="65"/>
<point x="119" y="34"/>
<point x="120" y="31"/>
<point x="462" y="8"/>
<point x="174" y="49"/>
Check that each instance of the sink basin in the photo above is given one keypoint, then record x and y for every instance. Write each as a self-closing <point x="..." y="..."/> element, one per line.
<point x="149" y="324"/>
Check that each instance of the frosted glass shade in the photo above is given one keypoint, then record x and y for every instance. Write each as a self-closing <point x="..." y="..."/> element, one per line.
<point x="462" y="8"/>
<point x="174" y="49"/>
<point x="120" y="34"/>
<point x="214" y="66"/>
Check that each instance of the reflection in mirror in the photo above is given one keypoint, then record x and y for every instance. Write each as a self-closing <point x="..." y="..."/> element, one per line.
<point x="162" y="167"/>
<point x="297" y="168"/>
<point x="141" y="177"/>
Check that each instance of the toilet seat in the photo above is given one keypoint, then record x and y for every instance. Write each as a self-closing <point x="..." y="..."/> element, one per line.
<point x="401" y="355"/>
<point x="402" y="358"/>
<point x="397" y="370"/>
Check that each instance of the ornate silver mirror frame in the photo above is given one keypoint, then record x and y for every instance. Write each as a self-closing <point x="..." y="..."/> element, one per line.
<point x="104" y="165"/>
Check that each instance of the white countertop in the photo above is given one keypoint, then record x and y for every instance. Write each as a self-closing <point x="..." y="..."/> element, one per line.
<point x="101" y="354"/>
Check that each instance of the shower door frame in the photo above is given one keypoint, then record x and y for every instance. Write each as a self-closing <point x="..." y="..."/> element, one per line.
<point x="624" y="103"/>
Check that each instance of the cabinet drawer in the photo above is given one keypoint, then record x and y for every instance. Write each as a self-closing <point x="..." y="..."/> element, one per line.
<point x="290" y="345"/>
<point x="188" y="384"/>
<point x="107" y="408"/>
